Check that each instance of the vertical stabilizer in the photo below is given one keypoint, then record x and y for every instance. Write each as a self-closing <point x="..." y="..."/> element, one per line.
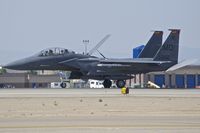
<point x="152" y="46"/>
<point x="170" y="48"/>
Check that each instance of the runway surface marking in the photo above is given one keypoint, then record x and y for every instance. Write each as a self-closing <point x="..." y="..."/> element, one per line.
<point x="107" y="126"/>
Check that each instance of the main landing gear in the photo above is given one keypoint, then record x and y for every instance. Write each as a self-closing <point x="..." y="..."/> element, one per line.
<point x="107" y="83"/>
<point x="120" y="83"/>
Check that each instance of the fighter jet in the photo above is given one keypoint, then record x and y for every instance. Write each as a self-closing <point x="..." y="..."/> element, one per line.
<point x="86" y="66"/>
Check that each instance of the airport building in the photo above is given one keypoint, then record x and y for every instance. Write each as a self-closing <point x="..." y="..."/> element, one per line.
<point x="39" y="79"/>
<point x="26" y="80"/>
<point x="184" y="77"/>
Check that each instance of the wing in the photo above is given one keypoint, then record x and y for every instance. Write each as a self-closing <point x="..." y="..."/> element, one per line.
<point x="127" y="66"/>
<point x="131" y="61"/>
<point x="84" y="65"/>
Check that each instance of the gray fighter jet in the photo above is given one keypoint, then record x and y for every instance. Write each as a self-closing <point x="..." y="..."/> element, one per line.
<point x="86" y="66"/>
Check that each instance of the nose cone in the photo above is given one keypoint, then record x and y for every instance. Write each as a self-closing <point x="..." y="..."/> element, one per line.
<point x="14" y="65"/>
<point x="10" y="66"/>
<point x="18" y="65"/>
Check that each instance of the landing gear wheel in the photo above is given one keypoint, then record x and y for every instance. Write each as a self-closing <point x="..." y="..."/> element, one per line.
<point x="107" y="83"/>
<point x="63" y="85"/>
<point x="121" y="83"/>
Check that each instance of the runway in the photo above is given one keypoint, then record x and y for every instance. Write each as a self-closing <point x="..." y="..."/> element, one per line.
<point x="49" y="92"/>
<point x="99" y="110"/>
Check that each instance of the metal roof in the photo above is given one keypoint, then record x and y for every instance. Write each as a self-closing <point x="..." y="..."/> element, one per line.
<point x="185" y="63"/>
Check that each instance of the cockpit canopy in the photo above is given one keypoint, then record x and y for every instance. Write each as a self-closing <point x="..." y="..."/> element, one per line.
<point x="55" y="51"/>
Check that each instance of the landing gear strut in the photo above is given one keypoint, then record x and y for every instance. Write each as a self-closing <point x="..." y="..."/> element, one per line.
<point x="107" y="83"/>
<point x="121" y="83"/>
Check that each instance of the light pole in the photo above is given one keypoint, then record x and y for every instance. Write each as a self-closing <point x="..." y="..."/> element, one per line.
<point x="86" y="42"/>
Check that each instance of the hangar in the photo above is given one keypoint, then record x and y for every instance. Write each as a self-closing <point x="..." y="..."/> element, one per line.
<point x="26" y="80"/>
<point x="186" y="74"/>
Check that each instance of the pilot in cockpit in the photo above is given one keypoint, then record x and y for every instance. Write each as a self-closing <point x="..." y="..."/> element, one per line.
<point x="62" y="52"/>
<point x="66" y="51"/>
<point x="50" y="52"/>
<point x="53" y="52"/>
<point x="46" y="53"/>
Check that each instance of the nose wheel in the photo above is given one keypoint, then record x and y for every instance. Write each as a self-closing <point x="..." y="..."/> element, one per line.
<point x="120" y="83"/>
<point x="63" y="85"/>
<point x="107" y="83"/>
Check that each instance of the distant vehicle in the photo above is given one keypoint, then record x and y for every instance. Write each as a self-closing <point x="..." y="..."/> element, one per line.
<point x="55" y="85"/>
<point x="95" y="84"/>
<point x="64" y="84"/>
<point x="86" y="66"/>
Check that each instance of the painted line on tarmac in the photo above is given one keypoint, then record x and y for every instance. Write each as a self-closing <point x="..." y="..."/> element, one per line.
<point x="197" y="126"/>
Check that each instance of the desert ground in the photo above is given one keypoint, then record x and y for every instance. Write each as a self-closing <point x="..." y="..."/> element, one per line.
<point x="99" y="110"/>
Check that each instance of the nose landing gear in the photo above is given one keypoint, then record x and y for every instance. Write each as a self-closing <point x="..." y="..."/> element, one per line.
<point x="63" y="85"/>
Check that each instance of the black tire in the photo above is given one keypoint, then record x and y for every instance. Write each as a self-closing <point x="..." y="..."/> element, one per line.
<point x="121" y="83"/>
<point x="63" y="85"/>
<point x="107" y="83"/>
